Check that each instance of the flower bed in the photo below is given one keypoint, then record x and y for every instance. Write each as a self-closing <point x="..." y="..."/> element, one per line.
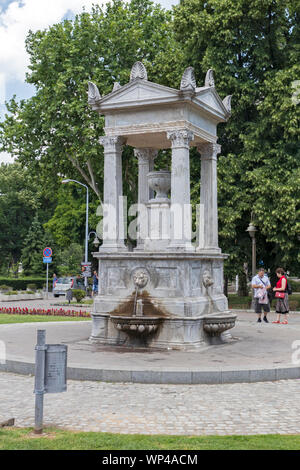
<point x="41" y="311"/>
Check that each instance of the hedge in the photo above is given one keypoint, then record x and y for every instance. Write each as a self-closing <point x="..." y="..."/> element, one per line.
<point x="242" y="303"/>
<point x="22" y="283"/>
<point x="295" y="285"/>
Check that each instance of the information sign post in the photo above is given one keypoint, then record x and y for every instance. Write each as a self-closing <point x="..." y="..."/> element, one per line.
<point x="50" y="374"/>
<point x="47" y="258"/>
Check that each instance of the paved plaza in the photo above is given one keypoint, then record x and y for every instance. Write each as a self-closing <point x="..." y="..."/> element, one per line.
<point x="271" y="406"/>
<point x="227" y="409"/>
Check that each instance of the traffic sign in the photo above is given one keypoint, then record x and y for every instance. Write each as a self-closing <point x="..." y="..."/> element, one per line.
<point x="87" y="273"/>
<point x="47" y="252"/>
<point x="47" y="260"/>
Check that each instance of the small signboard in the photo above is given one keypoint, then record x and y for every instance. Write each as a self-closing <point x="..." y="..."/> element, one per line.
<point x="87" y="274"/>
<point x="47" y="260"/>
<point x="56" y="368"/>
<point x="86" y="269"/>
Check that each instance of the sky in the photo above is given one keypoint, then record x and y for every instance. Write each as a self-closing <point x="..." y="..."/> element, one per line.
<point x="17" y="17"/>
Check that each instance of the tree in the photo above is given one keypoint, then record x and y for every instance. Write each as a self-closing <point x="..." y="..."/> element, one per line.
<point x="21" y="199"/>
<point x="32" y="252"/>
<point x="55" y="131"/>
<point x="69" y="260"/>
<point x="252" y="48"/>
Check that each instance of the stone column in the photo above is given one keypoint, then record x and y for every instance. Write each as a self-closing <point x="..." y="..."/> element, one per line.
<point x="113" y="216"/>
<point x="181" y="214"/>
<point x="208" y="223"/>
<point x="145" y="158"/>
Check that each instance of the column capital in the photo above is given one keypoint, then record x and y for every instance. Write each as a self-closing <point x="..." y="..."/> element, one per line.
<point x="180" y="138"/>
<point x="209" y="150"/>
<point x="145" y="155"/>
<point x="112" y="143"/>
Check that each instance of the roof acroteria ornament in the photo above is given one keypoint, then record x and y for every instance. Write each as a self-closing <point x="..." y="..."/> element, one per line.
<point x="227" y="103"/>
<point x="188" y="81"/>
<point x="209" y="78"/>
<point x="93" y="94"/>
<point x="138" y="71"/>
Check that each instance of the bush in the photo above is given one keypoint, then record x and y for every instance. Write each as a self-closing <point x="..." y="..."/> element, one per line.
<point x="21" y="284"/>
<point x="12" y="292"/>
<point x="78" y="294"/>
<point x="4" y="288"/>
<point x="31" y="287"/>
<point x="295" y="285"/>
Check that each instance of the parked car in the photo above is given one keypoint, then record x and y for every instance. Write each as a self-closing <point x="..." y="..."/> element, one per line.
<point x="63" y="284"/>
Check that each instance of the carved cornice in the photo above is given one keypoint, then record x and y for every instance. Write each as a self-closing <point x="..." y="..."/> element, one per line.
<point x="145" y="155"/>
<point x="209" y="150"/>
<point x="180" y="138"/>
<point x="170" y="126"/>
<point x="112" y="143"/>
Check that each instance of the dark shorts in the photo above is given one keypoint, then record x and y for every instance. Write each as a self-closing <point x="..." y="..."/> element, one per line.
<point x="258" y="307"/>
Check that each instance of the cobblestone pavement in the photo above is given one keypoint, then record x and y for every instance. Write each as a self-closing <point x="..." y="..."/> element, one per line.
<point x="256" y="408"/>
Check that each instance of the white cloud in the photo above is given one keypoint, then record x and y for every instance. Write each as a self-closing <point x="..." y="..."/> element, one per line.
<point x="19" y="18"/>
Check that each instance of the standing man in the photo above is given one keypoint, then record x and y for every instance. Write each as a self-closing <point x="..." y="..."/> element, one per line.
<point x="260" y="283"/>
<point x="95" y="284"/>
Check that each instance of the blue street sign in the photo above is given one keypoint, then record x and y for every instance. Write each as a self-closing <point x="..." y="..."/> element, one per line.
<point x="47" y="252"/>
<point x="47" y="260"/>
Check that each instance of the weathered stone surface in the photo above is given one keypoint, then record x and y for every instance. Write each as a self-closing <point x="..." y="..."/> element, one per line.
<point x="149" y="116"/>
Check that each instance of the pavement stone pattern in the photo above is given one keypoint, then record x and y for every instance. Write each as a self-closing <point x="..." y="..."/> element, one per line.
<point x="227" y="409"/>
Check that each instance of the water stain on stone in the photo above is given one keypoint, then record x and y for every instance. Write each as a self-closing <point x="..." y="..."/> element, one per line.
<point x="149" y="309"/>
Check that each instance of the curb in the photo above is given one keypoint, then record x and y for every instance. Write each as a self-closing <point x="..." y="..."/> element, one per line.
<point x="164" y="376"/>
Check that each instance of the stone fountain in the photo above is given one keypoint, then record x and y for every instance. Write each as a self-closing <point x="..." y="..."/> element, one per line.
<point x="168" y="291"/>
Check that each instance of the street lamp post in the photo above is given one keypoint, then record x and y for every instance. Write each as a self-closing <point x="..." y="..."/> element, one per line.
<point x="251" y="230"/>
<point x="86" y="222"/>
<point x="96" y="241"/>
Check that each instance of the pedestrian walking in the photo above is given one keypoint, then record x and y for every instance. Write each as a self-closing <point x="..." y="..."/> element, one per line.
<point x="260" y="283"/>
<point x="281" y="294"/>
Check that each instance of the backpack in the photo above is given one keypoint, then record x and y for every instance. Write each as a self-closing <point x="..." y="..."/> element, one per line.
<point x="289" y="288"/>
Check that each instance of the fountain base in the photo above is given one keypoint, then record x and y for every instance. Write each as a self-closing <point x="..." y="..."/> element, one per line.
<point x="171" y="288"/>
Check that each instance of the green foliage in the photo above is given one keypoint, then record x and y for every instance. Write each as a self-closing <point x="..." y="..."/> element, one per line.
<point x="20" y="200"/>
<point x="31" y="287"/>
<point x="253" y="48"/>
<point x="56" y="131"/>
<point x="32" y="253"/>
<point x="295" y="285"/>
<point x="22" y="284"/>
<point x="78" y="294"/>
<point x="69" y="260"/>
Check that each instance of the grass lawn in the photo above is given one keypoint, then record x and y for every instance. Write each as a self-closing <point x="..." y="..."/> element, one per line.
<point x="9" y="318"/>
<point x="54" y="439"/>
